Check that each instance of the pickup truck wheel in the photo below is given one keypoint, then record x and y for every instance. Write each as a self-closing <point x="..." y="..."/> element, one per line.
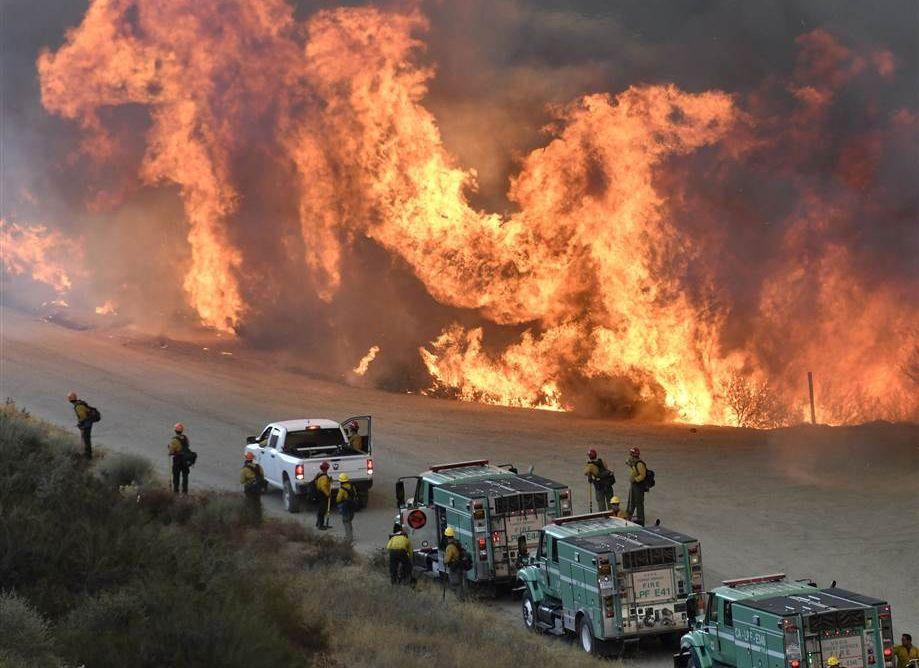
<point x="291" y="500"/>
<point x="528" y="609"/>
<point x="586" y="636"/>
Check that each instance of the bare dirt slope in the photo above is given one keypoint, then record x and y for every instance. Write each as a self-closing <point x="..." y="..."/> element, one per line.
<point x="828" y="503"/>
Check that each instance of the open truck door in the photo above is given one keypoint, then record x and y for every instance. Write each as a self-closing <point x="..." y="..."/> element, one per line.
<point x="419" y="520"/>
<point x="358" y="432"/>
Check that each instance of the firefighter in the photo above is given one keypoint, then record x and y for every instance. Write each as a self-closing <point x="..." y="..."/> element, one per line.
<point x="905" y="651"/>
<point x="399" y="548"/>
<point x="323" y="485"/>
<point x="638" y="471"/>
<point x="252" y="478"/>
<point x="178" y="451"/>
<point x="600" y="478"/>
<point x="345" y="500"/>
<point x="453" y="561"/>
<point x="84" y="423"/>
<point x="615" y="506"/>
<point x="355" y="440"/>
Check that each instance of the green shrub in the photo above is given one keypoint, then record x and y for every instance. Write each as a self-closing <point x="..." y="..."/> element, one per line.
<point x="120" y="469"/>
<point x="25" y="639"/>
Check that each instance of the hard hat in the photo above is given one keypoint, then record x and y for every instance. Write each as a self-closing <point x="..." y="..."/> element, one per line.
<point x="72" y="396"/>
<point x="615" y="500"/>
<point x="449" y="533"/>
<point x="635" y="452"/>
<point x="249" y="456"/>
<point x="832" y="661"/>
<point x="591" y="454"/>
<point x="324" y="466"/>
<point x="343" y="477"/>
<point x="179" y="427"/>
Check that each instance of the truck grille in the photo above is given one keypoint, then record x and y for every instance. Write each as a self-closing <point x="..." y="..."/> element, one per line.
<point x="519" y="503"/>
<point x="654" y="556"/>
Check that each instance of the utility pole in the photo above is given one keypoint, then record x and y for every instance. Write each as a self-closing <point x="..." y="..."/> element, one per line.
<point x="810" y="389"/>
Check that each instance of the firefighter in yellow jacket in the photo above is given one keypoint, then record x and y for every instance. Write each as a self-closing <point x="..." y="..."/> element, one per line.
<point x="453" y="561"/>
<point x="399" y="548"/>
<point x="346" y="500"/>
<point x="638" y="471"/>
<point x="178" y="451"/>
<point x="615" y="507"/>
<point x="323" y="484"/>
<point x="906" y="651"/>
<point x="252" y="478"/>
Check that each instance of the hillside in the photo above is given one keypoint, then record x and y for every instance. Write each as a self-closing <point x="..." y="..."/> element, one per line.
<point x="102" y="566"/>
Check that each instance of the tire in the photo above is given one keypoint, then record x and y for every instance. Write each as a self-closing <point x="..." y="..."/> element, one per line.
<point x="586" y="636"/>
<point x="290" y="498"/>
<point x="528" y="611"/>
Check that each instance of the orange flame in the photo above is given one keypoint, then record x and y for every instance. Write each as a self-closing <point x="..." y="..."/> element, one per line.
<point x="591" y="266"/>
<point x="38" y="252"/>
<point x="366" y="360"/>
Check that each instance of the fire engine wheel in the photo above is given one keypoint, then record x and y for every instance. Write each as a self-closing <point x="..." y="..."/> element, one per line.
<point x="291" y="500"/>
<point x="586" y="636"/>
<point x="528" y="610"/>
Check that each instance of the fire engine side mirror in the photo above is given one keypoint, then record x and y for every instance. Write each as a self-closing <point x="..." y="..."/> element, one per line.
<point x="400" y="493"/>
<point x="251" y="440"/>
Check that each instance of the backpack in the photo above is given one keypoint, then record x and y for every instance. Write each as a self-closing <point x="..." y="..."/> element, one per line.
<point x="606" y="478"/>
<point x="312" y="491"/>
<point x="188" y="455"/>
<point x="92" y="413"/>
<point x="465" y="559"/>
<point x="256" y="484"/>
<point x="648" y="482"/>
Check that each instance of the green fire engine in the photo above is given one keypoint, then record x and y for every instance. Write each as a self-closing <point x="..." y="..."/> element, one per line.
<point x="770" y="622"/>
<point x="609" y="581"/>
<point x="495" y="512"/>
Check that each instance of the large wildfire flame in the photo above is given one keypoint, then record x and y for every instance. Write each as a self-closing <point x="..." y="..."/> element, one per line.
<point x="611" y="261"/>
<point x="38" y="252"/>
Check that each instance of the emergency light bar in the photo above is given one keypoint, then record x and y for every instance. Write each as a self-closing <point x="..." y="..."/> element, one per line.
<point x="605" y="514"/>
<point x="458" y="465"/>
<point x="775" y="577"/>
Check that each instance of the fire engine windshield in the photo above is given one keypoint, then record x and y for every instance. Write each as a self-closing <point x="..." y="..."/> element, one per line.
<point x="302" y="441"/>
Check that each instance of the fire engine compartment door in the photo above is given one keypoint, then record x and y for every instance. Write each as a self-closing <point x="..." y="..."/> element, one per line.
<point x="512" y="526"/>
<point x="652" y="586"/>
<point x="839" y="633"/>
<point x="850" y="650"/>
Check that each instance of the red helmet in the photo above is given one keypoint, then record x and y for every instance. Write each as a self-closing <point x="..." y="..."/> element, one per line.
<point x="635" y="452"/>
<point x="249" y="456"/>
<point x="591" y="454"/>
<point x="324" y="466"/>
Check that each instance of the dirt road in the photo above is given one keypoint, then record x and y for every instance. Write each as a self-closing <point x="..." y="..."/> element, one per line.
<point x="827" y="503"/>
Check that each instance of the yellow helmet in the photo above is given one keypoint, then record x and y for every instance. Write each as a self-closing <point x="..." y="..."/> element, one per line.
<point x="615" y="500"/>
<point x="343" y="477"/>
<point x="832" y="661"/>
<point x="449" y="533"/>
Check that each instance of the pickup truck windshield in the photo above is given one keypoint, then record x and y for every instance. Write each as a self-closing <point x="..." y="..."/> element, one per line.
<point x="313" y="438"/>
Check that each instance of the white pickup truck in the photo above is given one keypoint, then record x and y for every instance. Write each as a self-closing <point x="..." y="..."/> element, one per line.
<point x="291" y="451"/>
